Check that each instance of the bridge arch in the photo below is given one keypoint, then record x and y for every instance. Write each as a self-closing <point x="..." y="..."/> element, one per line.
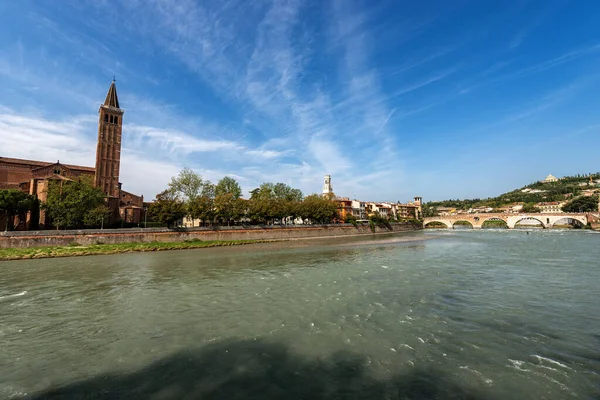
<point x="437" y="224"/>
<point x="494" y="222"/>
<point x="463" y="224"/>
<point x="539" y="219"/>
<point x="574" y="221"/>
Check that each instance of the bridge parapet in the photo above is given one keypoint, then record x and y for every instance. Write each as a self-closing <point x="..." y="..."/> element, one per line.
<point x="477" y="220"/>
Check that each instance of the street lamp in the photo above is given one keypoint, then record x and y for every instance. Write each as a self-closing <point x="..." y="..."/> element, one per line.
<point x="145" y="216"/>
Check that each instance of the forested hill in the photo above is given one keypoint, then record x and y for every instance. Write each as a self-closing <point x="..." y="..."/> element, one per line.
<point x="565" y="189"/>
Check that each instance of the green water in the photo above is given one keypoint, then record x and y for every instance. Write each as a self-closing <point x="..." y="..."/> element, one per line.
<point x="427" y="315"/>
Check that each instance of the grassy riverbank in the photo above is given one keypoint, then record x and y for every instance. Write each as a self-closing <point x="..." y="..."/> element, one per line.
<point x="77" y="250"/>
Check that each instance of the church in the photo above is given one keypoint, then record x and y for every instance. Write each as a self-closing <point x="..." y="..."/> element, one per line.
<point x="33" y="176"/>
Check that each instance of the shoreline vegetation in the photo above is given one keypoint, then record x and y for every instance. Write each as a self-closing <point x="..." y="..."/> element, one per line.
<point x="75" y="250"/>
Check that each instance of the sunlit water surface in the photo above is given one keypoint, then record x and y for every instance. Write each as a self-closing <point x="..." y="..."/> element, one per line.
<point x="457" y="314"/>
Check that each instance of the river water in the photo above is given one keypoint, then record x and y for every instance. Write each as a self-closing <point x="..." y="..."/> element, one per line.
<point x="425" y="315"/>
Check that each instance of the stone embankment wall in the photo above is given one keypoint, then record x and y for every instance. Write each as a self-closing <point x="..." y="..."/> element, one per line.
<point x="140" y="235"/>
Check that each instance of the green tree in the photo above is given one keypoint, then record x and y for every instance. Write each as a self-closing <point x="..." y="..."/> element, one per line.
<point x="14" y="202"/>
<point x="203" y="207"/>
<point x="97" y="216"/>
<point x="227" y="191"/>
<point x="430" y="211"/>
<point x="318" y="209"/>
<point x="530" y="208"/>
<point x="240" y="209"/>
<point x="582" y="204"/>
<point x="70" y="204"/>
<point x="188" y="184"/>
<point x="230" y="186"/>
<point x="167" y="208"/>
<point x="224" y="207"/>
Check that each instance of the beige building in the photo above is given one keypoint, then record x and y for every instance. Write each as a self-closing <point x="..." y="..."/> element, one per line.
<point x="550" y="178"/>
<point x="550" y="207"/>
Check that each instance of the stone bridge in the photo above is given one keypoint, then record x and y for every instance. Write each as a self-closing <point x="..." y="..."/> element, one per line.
<point x="477" y="220"/>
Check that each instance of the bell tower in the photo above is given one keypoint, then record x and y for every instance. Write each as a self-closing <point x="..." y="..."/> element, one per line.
<point x="108" y="151"/>
<point x="327" y="188"/>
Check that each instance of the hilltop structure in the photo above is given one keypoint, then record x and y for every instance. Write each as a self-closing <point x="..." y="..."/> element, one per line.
<point x="33" y="177"/>
<point x="550" y="178"/>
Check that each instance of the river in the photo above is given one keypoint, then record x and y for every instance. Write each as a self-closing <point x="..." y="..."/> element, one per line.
<point x="492" y="314"/>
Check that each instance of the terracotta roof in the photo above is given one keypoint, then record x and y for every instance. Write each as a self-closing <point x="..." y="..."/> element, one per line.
<point x="37" y="164"/>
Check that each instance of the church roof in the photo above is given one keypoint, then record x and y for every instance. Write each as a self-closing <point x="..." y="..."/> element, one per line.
<point x="112" y="100"/>
<point x="37" y="164"/>
<point x="550" y="176"/>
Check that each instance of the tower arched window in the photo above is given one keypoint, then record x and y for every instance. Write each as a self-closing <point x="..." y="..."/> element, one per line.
<point x="111" y="119"/>
<point x="105" y="117"/>
<point x="116" y="120"/>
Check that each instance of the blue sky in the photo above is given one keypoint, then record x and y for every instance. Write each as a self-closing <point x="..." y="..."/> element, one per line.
<point x="393" y="98"/>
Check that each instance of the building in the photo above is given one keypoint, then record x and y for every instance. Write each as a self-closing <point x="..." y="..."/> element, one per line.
<point x="550" y="207"/>
<point x="358" y="209"/>
<point x="412" y="209"/>
<point x="550" y="178"/>
<point x="344" y="207"/>
<point x="33" y="177"/>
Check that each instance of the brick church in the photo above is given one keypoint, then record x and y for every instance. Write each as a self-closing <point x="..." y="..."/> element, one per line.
<point x="33" y="176"/>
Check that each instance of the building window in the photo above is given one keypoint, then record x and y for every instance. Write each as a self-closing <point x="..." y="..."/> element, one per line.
<point x="111" y="119"/>
<point x="105" y="117"/>
<point x="116" y="120"/>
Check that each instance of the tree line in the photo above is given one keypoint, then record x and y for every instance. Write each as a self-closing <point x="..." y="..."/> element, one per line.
<point x="189" y="195"/>
<point x="69" y="204"/>
<point x="15" y="203"/>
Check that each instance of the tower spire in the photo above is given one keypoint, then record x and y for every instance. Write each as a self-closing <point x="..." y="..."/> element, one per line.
<point x="108" y="150"/>
<point x="112" y="100"/>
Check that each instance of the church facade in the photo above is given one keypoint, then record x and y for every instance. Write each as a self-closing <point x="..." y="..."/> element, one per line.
<point x="33" y="176"/>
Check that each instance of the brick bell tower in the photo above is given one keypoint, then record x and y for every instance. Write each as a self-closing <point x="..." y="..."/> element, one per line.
<point x="108" y="151"/>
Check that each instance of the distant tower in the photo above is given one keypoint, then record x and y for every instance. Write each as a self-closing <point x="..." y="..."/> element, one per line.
<point x="327" y="189"/>
<point x="108" y="151"/>
<point x="419" y="204"/>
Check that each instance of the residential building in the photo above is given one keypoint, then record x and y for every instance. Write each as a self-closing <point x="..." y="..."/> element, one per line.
<point x="344" y="207"/>
<point x="358" y="209"/>
<point x="550" y="207"/>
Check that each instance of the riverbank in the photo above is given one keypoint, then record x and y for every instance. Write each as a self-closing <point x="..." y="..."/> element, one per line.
<point x="90" y="237"/>
<point x="104" y="249"/>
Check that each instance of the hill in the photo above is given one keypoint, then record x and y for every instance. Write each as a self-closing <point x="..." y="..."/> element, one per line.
<point x="564" y="189"/>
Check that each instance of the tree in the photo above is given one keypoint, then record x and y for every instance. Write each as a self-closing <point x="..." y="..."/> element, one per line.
<point x="227" y="191"/>
<point x="203" y="206"/>
<point x="530" y="208"/>
<point x="240" y="209"/>
<point x="429" y="211"/>
<point x="582" y="204"/>
<point x="230" y="186"/>
<point x="14" y="202"/>
<point x="224" y="207"/>
<point x="188" y="184"/>
<point x="71" y="204"/>
<point x="318" y="209"/>
<point x="167" y="208"/>
<point x="96" y="216"/>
